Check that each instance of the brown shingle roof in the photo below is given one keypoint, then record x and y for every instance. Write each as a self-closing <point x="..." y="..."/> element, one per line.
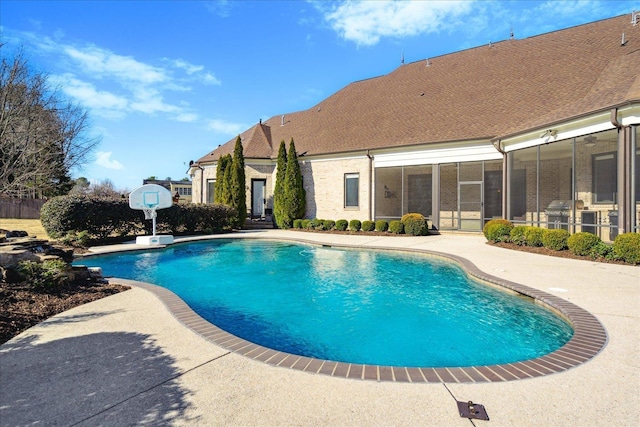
<point x="484" y="92"/>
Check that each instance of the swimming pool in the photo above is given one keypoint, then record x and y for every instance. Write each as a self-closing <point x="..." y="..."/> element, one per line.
<point x="368" y="307"/>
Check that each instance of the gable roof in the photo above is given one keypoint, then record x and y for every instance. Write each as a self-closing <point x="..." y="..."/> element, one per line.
<point x="481" y="93"/>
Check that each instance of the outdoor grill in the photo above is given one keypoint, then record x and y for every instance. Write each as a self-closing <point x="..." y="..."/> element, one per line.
<point x="558" y="213"/>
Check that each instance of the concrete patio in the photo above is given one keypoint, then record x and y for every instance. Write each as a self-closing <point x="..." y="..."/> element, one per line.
<point x="127" y="360"/>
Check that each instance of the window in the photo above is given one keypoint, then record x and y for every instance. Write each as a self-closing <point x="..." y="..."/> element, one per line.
<point x="351" y="184"/>
<point x="605" y="172"/>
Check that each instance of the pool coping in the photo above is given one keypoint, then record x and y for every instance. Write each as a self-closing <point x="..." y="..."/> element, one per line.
<point x="588" y="340"/>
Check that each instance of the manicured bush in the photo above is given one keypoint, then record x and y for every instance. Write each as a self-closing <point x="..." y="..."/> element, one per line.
<point x="342" y="224"/>
<point x="555" y="239"/>
<point x="297" y="223"/>
<point x="396" y="227"/>
<point x="497" y="230"/>
<point x="328" y="224"/>
<point x="382" y="225"/>
<point x="533" y="236"/>
<point x="517" y="235"/>
<point x="306" y="224"/>
<point x="316" y="224"/>
<point x="368" y="225"/>
<point x="582" y="243"/>
<point x="415" y="224"/>
<point x="97" y="218"/>
<point x="626" y="247"/>
<point x="355" y="225"/>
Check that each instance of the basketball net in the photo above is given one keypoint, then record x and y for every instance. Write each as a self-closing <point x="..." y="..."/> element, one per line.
<point x="150" y="213"/>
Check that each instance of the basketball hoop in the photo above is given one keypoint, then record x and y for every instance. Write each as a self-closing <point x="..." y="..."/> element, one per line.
<point x="149" y="198"/>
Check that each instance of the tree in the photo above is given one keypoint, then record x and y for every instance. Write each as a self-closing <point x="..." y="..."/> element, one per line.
<point x="294" y="195"/>
<point x="42" y="135"/>
<point x="237" y="184"/>
<point x="223" y="170"/>
<point x="278" y="193"/>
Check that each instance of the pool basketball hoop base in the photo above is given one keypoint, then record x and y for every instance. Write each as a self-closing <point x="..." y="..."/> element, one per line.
<point x="149" y="198"/>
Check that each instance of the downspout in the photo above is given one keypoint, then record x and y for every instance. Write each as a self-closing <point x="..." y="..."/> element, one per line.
<point x="371" y="200"/>
<point x="496" y="145"/>
<point x="625" y="157"/>
<point x="201" y="181"/>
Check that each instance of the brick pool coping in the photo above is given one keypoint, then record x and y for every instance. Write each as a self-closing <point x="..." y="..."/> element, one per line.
<point x="589" y="337"/>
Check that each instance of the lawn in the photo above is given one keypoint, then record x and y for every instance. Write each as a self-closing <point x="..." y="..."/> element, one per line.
<point x="31" y="226"/>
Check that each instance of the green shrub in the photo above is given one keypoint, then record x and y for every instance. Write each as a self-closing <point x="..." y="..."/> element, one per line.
<point x="602" y="250"/>
<point x="582" y="243"/>
<point x="316" y="224"/>
<point x="355" y="225"/>
<point x="46" y="275"/>
<point x="396" y="227"/>
<point x="497" y="230"/>
<point x="626" y="247"/>
<point x="533" y="236"/>
<point x="342" y="224"/>
<point x="368" y="225"/>
<point x="555" y="239"/>
<point x="297" y="223"/>
<point x="415" y="224"/>
<point x="99" y="218"/>
<point x="329" y="224"/>
<point x="306" y="224"/>
<point x="517" y="235"/>
<point x="79" y="239"/>
<point x="382" y="225"/>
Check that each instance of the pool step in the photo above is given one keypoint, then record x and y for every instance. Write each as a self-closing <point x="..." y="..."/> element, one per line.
<point x="258" y="224"/>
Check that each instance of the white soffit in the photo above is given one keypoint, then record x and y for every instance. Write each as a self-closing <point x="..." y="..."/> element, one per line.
<point x="597" y="123"/>
<point x="471" y="153"/>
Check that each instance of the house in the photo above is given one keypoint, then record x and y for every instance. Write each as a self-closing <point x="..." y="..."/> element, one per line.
<point x="542" y="131"/>
<point x="180" y="190"/>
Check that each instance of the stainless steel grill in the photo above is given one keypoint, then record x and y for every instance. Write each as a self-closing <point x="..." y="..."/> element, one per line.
<point x="558" y="214"/>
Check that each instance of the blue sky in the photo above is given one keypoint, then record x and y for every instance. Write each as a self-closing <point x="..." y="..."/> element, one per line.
<point x="167" y="81"/>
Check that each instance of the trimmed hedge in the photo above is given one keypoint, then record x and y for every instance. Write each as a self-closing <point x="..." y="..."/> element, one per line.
<point x="368" y="225"/>
<point x="415" y="224"/>
<point x="582" y="243"/>
<point x="328" y="224"/>
<point x="626" y="247"/>
<point x="99" y="218"/>
<point x="382" y="225"/>
<point x="342" y="224"/>
<point x="396" y="227"/>
<point x="297" y="223"/>
<point x="497" y="230"/>
<point x="355" y="225"/>
<point x="517" y="235"/>
<point x="533" y="236"/>
<point x="555" y="239"/>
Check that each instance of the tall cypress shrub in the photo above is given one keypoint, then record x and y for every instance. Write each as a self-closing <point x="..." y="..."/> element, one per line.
<point x="237" y="184"/>
<point x="221" y="192"/>
<point x="294" y="194"/>
<point x="278" y="193"/>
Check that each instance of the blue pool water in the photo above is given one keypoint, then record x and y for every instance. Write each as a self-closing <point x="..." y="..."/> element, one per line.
<point x="354" y="306"/>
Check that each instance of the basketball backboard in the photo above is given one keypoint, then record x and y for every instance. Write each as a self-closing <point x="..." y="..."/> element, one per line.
<point x="150" y="196"/>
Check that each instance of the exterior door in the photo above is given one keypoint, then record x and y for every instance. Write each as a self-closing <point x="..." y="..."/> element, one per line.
<point x="258" y="198"/>
<point x="470" y="205"/>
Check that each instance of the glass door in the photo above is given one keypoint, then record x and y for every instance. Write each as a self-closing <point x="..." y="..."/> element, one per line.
<point x="470" y="205"/>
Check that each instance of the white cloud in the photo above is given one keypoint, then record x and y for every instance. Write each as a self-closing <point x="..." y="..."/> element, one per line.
<point x="104" y="103"/>
<point x="366" y="22"/>
<point x="211" y="79"/>
<point x="106" y="63"/>
<point x="223" y="127"/>
<point x="186" y="117"/>
<point x="103" y="158"/>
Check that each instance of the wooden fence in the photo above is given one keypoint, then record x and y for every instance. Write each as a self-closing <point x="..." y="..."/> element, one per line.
<point x="21" y="208"/>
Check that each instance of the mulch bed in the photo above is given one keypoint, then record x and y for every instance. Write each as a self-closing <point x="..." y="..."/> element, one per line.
<point x="21" y="306"/>
<point x="551" y="252"/>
